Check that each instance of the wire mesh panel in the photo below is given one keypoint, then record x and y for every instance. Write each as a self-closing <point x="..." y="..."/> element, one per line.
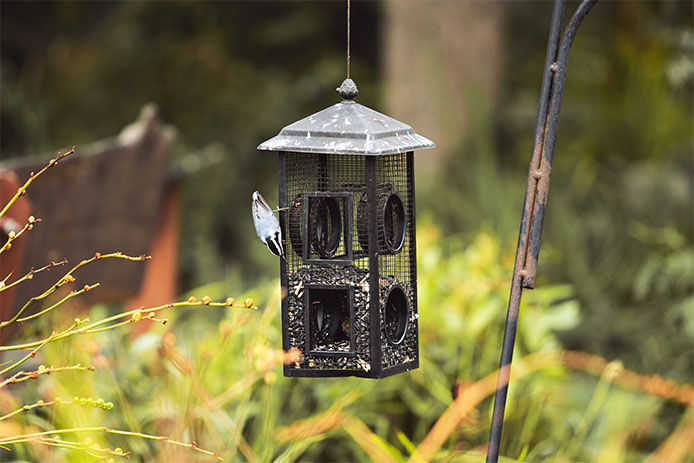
<point x="329" y="316"/>
<point x="397" y="259"/>
<point x="327" y="300"/>
<point x="331" y="297"/>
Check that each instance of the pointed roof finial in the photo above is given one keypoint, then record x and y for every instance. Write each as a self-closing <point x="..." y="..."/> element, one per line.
<point x="348" y="90"/>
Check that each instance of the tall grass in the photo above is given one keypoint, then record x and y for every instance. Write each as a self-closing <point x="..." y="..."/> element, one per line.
<point x="215" y="379"/>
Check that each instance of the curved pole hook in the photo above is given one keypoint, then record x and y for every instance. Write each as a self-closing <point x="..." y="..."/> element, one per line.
<point x="532" y="219"/>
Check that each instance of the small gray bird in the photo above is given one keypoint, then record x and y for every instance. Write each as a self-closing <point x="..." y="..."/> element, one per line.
<point x="266" y="225"/>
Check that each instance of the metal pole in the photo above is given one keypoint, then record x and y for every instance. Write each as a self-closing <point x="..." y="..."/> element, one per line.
<point x="537" y="187"/>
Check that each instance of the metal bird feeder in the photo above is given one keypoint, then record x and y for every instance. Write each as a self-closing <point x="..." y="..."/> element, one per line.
<point x="346" y="193"/>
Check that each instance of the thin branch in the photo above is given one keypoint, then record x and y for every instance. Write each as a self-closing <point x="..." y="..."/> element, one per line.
<point x="84" y="402"/>
<point x="131" y="316"/>
<point x="29" y="275"/>
<point x="58" y="442"/>
<point x="29" y="355"/>
<point x="13" y="236"/>
<point x="68" y="278"/>
<point x="4" y="280"/>
<point x="54" y="335"/>
<point x="33" y="177"/>
<point x="27" y="375"/>
<point x="57" y="304"/>
<point x="26" y="408"/>
<point x="90" y="449"/>
<point x="39" y="435"/>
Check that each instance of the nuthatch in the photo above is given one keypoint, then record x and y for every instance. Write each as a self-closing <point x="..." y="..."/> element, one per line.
<point x="266" y="225"/>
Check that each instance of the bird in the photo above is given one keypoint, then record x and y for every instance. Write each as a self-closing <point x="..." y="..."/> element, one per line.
<point x="267" y="227"/>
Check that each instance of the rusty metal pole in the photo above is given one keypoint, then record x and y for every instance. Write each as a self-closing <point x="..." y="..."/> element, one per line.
<point x="532" y="219"/>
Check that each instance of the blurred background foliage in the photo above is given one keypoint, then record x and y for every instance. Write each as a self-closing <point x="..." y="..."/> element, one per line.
<point x="616" y="275"/>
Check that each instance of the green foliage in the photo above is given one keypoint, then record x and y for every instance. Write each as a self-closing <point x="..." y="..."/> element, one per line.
<point x="616" y="268"/>
<point x="623" y="164"/>
<point x="226" y="75"/>
<point x="217" y="381"/>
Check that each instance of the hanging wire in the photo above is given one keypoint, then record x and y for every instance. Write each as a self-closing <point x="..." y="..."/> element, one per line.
<point x="348" y="27"/>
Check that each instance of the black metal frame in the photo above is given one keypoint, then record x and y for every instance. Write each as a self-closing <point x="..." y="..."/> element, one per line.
<point x="307" y="321"/>
<point x="406" y="326"/>
<point x="385" y="269"/>
<point x="528" y="248"/>
<point x="345" y="233"/>
<point x="400" y="234"/>
<point x="375" y="329"/>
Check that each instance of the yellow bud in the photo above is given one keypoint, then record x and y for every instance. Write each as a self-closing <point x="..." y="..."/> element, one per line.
<point x="31" y="219"/>
<point x="206" y="300"/>
<point x="192" y="299"/>
<point x="229" y="301"/>
<point x="11" y="234"/>
<point x="137" y="316"/>
<point x="248" y="303"/>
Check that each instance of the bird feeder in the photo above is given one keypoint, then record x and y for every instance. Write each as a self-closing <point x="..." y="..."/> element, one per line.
<point x="346" y="187"/>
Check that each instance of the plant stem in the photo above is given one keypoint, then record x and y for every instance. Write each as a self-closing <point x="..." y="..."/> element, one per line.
<point x="26" y="375"/>
<point x="33" y="177"/>
<point x="92" y="327"/>
<point x="38" y="435"/>
<point x="53" y="336"/>
<point x="13" y="236"/>
<point x="30" y="275"/>
<point x="66" y="279"/>
<point x="66" y="298"/>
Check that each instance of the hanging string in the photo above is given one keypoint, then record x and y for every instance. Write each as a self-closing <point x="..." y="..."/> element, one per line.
<point x="348" y="27"/>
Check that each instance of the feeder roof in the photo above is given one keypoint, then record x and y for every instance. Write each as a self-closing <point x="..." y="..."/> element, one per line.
<point x="347" y="128"/>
